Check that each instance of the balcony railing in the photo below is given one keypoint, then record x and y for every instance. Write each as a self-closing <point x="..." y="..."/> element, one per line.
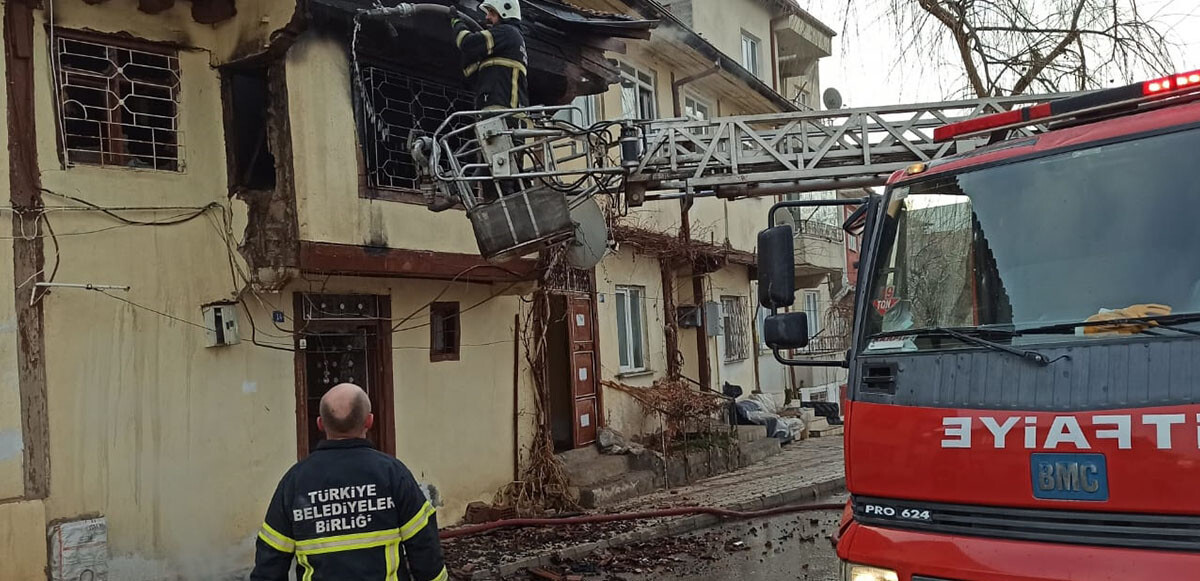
<point x="815" y="229"/>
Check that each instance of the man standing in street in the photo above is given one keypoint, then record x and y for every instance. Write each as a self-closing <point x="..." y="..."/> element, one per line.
<point x="349" y="511"/>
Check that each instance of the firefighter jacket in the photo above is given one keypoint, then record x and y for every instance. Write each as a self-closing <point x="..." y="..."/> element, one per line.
<point x="349" y="511"/>
<point x="495" y="63"/>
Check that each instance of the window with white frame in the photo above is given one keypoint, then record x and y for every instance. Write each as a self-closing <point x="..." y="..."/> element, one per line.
<point x="733" y="323"/>
<point x="583" y="112"/>
<point x="638" y="100"/>
<point x="631" y="328"/>
<point x="760" y="321"/>
<point x="813" y="311"/>
<point x="118" y="102"/>
<point x="852" y="243"/>
<point x="696" y="109"/>
<point x="751" y="49"/>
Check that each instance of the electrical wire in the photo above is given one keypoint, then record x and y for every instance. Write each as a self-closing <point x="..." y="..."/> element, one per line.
<point x="460" y="312"/>
<point x="57" y="260"/>
<point x="148" y="309"/>
<point x="112" y="214"/>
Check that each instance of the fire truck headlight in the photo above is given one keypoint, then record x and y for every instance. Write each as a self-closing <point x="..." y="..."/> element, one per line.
<point x="852" y="572"/>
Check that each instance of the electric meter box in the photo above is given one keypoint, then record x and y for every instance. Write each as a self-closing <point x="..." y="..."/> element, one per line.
<point x="220" y="323"/>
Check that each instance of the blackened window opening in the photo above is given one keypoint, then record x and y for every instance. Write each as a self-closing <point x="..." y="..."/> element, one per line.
<point x="445" y="332"/>
<point x="119" y="106"/>
<point x="249" y="94"/>
<point x="404" y="107"/>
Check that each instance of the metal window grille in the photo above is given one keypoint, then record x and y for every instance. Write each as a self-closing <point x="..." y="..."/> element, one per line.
<point x="118" y="106"/>
<point x="404" y="107"/>
<point x="734" y="320"/>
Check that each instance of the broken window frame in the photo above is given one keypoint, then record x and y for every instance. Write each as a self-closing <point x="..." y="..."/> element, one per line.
<point x="733" y="325"/>
<point x="445" y="332"/>
<point x="243" y="172"/>
<point x="631" y="343"/>
<point x="113" y="144"/>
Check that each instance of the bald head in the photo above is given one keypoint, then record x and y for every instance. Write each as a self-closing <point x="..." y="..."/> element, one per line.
<point x="345" y="412"/>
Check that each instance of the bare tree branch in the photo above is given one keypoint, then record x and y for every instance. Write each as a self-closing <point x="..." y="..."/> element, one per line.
<point x="1014" y="46"/>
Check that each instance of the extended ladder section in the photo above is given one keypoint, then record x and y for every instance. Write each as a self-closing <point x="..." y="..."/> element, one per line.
<point x="730" y="157"/>
<point x="522" y="173"/>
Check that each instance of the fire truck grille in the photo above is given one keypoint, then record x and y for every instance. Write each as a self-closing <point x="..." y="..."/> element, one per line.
<point x="1136" y="531"/>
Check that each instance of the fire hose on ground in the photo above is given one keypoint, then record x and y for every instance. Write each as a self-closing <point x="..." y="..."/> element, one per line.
<point x="642" y="515"/>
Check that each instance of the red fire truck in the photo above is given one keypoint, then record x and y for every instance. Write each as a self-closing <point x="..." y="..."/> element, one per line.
<point x="1023" y="399"/>
<point x="1024" y="393"/>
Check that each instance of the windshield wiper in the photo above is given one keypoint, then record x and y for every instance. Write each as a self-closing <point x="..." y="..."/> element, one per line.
<point x="962" y="335"/>
<point x="1166" y="321"/>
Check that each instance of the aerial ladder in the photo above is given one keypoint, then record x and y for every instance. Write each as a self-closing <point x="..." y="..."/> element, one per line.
<point x="555" y="167"/>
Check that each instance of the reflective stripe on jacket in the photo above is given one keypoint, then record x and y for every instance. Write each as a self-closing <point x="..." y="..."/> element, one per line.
<point x="349" y="511"/>
<point x="495" y="63"/>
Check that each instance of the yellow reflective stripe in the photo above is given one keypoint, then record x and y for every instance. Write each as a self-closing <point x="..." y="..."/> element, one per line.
<point x="347" y="542"/>
<point x="491" y="41"/>
<point x="308" y="569"/>
<point x="516" y="77"/>
<point x="443" y="576"/>
<point x="461" y="36"/>
<point x="496" y="62"/>
<point x="503" y="62"/>
<point x="392" y="555"/>
<point x="278" y="541"/>
<point x="416" y="523"/>
<point x="356" y="536"/>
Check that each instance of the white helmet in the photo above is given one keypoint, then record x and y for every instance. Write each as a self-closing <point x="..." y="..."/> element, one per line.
<point x="505" y="8"/>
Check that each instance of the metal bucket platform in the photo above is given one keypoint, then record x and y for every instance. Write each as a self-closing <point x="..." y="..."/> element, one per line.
<point x="521" y="224"/>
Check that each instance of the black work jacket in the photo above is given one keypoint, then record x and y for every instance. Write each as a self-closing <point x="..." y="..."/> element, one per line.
<point x="349" y="511"/>
<point x="495" y="64"/>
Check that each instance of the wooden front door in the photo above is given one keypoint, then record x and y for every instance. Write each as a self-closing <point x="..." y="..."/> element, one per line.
<point x="585" y="383"/>
<point x="343" y="339"/>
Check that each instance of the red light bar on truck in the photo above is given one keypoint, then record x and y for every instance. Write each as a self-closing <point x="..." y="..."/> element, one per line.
<point x="1130" y="94"/>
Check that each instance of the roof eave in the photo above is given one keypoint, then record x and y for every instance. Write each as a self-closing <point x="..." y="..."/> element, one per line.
<point x="711" y="52"/>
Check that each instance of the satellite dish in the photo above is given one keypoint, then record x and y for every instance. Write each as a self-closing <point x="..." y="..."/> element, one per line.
<point x="832" y="99"/>
<point x="590" y="244"/>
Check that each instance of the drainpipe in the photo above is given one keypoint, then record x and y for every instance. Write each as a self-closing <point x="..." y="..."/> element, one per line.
<point x="677" y="85"/>
<point x="685" y="232"/>
<point x="702" y="359"/>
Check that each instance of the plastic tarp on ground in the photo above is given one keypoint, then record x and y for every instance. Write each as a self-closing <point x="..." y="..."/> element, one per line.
<point x="761" y="409"/>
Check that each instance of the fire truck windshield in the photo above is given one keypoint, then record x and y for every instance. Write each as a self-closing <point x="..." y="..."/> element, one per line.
<point x="1107" y="231"/>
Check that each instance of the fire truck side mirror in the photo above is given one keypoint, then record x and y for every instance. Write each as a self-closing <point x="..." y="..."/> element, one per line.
<point x="776" y="268"/>
<point x="786" y="331"/>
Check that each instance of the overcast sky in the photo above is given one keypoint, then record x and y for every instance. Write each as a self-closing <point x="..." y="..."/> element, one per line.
<point x="868" y="70"/>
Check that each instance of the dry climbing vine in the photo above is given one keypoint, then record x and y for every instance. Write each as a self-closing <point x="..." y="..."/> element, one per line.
<point x="544" y="484"/>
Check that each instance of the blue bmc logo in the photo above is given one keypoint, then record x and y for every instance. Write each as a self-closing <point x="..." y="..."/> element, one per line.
<point x="1070" y="477"/>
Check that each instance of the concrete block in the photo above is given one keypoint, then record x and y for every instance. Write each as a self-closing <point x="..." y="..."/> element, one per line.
<point x="828" y="432"/>
<point x="747" y="434"/>
<point x="758" y="451"/>
<point x="585" y="470"/>
<point x="624" y="487"/>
